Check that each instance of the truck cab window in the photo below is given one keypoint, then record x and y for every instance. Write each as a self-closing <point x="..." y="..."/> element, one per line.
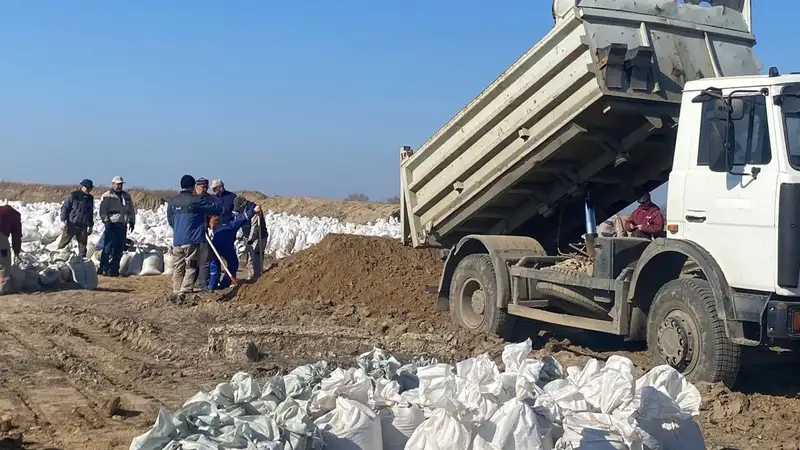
<point x="751" y="133"/>
<point x="792" y="125"/>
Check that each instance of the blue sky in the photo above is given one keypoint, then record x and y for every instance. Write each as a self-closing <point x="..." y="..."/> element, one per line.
<point x="289" y="98"/>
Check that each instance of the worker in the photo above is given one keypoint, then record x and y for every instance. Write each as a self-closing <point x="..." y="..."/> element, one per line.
<point x="186" y="214"/>
<point x="224" y="242"/>
<point x="10" y="229"/>
<point x="204" y="255"/>
<point x="646" y="221"/>
<point x="256" y="235"/>
<point x="225" y="198"/>
<point x="117" y="212"/>
<point x="77" y="213"/>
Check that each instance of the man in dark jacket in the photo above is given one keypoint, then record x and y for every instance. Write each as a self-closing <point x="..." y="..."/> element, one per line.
<point x="225" y="198"/>
<point x="77" y="213"/>
<point x="10" y="239"/>
<point x="646" y="221"/>
<point x="117" y="212"/>
<point x="256" y="234"/>
<point x="204" y="255"/>
<point x="186" y="213"/>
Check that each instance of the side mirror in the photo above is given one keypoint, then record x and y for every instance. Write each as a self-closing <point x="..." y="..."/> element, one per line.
<point x="720" y="146"/>
<point x="722" y="109"/>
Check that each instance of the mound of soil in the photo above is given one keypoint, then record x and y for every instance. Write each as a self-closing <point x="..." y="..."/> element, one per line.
<point x="366" y="282"/>
<point x="375" y="272"/>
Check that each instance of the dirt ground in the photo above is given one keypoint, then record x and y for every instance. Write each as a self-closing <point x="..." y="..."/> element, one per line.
<point x="353" y="212"/>
<point x="66" y="355"/>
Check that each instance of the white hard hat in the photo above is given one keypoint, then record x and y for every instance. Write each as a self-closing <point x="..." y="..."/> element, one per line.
<point x="117" y="180"/>
<point x="216" y="183"/>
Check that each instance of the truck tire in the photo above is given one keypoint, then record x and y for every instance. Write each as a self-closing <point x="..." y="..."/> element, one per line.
<point x="684" y="331"/>
<point x="575" y="301"/>
<point x="473" y="296"/>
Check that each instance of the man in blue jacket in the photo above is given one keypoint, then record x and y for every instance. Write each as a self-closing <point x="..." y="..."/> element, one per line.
<point x="186" y="215"/>
<point x="225" y="242"/>
<point x="77" y="213"/>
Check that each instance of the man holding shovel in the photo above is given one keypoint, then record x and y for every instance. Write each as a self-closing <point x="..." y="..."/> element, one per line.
<point x="186" y="214"/>
<point x="223" y="245"/>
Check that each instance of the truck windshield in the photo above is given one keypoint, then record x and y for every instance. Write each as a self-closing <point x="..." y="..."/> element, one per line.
<point x="790" y="104"/>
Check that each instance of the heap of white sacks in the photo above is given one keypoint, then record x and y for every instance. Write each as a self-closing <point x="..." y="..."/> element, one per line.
<point x="153" y="237"/>
<point x="384" y="405"/>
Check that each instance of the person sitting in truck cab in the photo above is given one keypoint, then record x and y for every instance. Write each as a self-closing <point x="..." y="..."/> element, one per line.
<point x="646" y="221"/>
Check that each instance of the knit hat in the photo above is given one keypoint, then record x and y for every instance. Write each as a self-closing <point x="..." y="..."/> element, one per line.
<point x="187" y="182"/>
<point x="239" y="204"/>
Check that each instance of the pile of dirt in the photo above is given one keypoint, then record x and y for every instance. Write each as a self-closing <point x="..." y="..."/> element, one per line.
<point x="371" y="283"/>
<point x="373" y="272"/>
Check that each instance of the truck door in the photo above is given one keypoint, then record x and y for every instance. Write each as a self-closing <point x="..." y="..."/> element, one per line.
<point x="732" y="215"/>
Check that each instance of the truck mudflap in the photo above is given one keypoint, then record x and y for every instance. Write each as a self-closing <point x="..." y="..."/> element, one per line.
<point x="782" y="319"/>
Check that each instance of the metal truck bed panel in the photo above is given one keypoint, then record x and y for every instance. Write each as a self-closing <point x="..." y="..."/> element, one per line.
<point x="535" y="137"/>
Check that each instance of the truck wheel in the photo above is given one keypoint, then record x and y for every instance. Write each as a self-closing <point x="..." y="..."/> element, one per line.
<point x="684" y="331"/>
<point x="473" y="296"/>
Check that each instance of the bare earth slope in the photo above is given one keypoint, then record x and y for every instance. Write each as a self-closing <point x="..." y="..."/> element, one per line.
<point x="354" y="212"/>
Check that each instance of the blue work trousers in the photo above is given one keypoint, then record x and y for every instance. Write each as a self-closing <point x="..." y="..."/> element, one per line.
<point x="217" y="278"/>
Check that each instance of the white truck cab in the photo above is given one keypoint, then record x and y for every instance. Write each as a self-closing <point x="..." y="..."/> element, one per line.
<point x="730" y="195"/>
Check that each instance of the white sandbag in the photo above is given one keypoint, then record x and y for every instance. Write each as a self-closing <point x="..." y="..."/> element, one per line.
<point x="399" y="418"/>
<point x="152" y="264"/>
<point x="598" y="431"/>
<point x="134" y="264"/>
<point x="51" y="234"/>
<point x="351" y="426"/>
<point x="125" y="263"/>
<point x="29" y="234"/>
<point x="664" y="405"/>
<point x="352" y="383"/>
<point x="443" y="431"/>
<point x="159" y="436"/>
<point x="84" y="272"/>
<point x="96" y="257"/>
<point x="513" y="427"/>
<point x="611" y="388"/>
<point x="169" y="262"/>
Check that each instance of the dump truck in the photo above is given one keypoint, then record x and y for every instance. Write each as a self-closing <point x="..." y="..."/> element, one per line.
<point x="619" y="98"/>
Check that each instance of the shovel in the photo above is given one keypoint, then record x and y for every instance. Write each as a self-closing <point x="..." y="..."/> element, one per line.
<point x="221" y="260"/>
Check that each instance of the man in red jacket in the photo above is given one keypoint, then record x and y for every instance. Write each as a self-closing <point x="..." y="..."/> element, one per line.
<point x="646" y="221"/>
<point x="10" y="228"/>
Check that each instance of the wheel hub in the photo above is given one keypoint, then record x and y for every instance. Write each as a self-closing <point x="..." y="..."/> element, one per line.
<point x="675" y="341"/>
<point x="478" y="301"/>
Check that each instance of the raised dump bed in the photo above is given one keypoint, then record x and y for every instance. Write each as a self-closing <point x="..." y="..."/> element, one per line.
<point x="589" y="110"/>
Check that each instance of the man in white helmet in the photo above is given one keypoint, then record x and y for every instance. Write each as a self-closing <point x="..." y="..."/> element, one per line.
<point x="119" y="217"/>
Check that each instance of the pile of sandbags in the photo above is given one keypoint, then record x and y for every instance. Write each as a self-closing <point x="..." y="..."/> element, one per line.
<point x="30" y="275"/>
<point x="152" y="234"/>
<point x="384" y="405"/>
